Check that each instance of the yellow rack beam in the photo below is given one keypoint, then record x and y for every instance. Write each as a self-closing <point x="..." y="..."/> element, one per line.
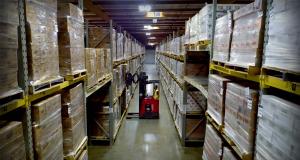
<point x="55" y="88"/>
<point x="5" y="108"/>
<point x="235" y="73"/>
<point x="271" y="81"/>
<point x="173" y="56"/>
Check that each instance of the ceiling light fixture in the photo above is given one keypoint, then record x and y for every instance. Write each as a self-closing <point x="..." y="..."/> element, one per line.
<point x="152" y="38"/>
<point x="144" y="8"/>
<point x="154" y="20"/>
<point x="149" y="27"/>
<point x="148" y="33"/>
<point x="151" y="44"/>
<point x="154" y="14"/>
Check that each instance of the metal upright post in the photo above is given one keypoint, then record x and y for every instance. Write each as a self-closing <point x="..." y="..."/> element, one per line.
<point x="23" y="79"/>
<point x="86" y="33"/>
<point x="111" y="98"/>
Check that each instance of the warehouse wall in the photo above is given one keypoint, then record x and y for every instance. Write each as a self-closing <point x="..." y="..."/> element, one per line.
<point x="150" y="56"/>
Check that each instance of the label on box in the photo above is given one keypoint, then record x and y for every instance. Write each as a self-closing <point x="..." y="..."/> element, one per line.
<point x="260" y="112"/>
<point x="247" y="91"/>
<point x="249" y="104"/>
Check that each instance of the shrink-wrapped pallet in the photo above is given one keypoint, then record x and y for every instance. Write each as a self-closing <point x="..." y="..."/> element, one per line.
<point x="107" y="61"/>
<point x="127" y="47"/>
<point x="222" y="38"/>
<point x="90" y="63"/>
<point x="116" y="75"/>
<point x="282" y="47"/>
<point x="100" y="63"/>
<point x="9" y="20"/>
<point x="228" y="154"/>
<point x="216" y="97"/>
<point x="99" y="37"/>
<point x="73" y="118"/>
<point x="277" y="134"/>
<point x="240" y="116"/>
<point x="247" y="36"/>
<point x="12" y="140"/>
<point x="47" y="128"/>
<point x="120" y="46"/>
<point x="70" y="39"/>
<point x="213" y="144"/>
<point x="43" y="60"/>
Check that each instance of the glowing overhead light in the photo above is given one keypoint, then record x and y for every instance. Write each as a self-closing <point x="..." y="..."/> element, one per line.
<point x="152" y="38"/>
<point x="154" y="14"/>
<point x="148" y="33"/>
<point x="144" y="8"/>
<point x="148" y="27"/>
<point x="154" y="20"/>
<point x="151" y="44"/>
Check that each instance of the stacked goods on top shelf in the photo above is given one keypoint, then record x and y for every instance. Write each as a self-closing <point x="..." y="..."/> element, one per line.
<point x="90" y="63"/>
<point x="247" y="37"/>
<point x="43" y="61"/>
<point x="120" y="45"/>
<point x="127" y="47"/>
<point x="174" y="46"/>
<point x="282" y="45"/>
<point x="47" y="128"/>
<point x="194" y="33"/>
<point x="216" y="98"/>
<point x="70" y="39"/>
<point x="12" y="145"/>
<point x="222" y="38"/>
<point x="278" y="129"/>
<point x="9" y="19"/>
<point x="213" y="144"/>
<point x="240" y="116"/>
<point x="73" y="118"/>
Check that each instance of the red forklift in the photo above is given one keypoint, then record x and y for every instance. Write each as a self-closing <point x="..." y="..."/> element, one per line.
<point x="148" y="100"/>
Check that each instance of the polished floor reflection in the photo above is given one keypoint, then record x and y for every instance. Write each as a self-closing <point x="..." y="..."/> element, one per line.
<point x="147" y="139"/>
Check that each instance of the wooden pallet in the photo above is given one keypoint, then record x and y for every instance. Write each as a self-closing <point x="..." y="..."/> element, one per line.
<point x="48" y="84"/>
<point x="75" y="75"/>
<point x="19" y="94"/>
<point x="285" y="75"/>
<point x="80" y="149"/>
<point x="251" y="70"/>
<point x="218" y="63"/>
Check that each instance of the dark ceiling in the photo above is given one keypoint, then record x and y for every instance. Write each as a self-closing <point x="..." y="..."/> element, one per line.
<point x="126" y="14"/>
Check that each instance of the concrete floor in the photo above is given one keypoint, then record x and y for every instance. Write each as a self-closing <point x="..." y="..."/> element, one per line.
<point x="146" y="139"/>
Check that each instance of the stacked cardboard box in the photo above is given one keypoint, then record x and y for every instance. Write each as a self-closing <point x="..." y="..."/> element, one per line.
<point x="247" y="36"/>
<point x="73" y="118"/>
<point x="100" y="63"/>
<point x="278" y="129"/>
<point x="120" y="46"/>
<point x="228" y="154"/>
<point x="70" y="39"/>
<point x="222" y="39"/>
<point x="43" y="61"/>
<point x="127" y="47"/>
<point x="47" y="128"/>
<point x="9" y="20"/>
<point x="216" y="98"/>
<point x="240" y="115"/>
<point x="212" y="144"/>
<point x="282" y="49"/>
<point x="98" y="37"/>
<point x="90" y="63"/>
<point x="12" y="145"/>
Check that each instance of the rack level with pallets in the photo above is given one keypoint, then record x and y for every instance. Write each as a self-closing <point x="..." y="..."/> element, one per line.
<point x="78" y="151"/>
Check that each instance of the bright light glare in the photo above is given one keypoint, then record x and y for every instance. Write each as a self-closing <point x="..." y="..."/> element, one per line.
<point x="151" y="44"/>
<point x="144" y="8"/>
<point x="148" y="27"/>
<point x="148" y="34"/>
<point x="152" y="38"/>
<point x="154" y="20"/>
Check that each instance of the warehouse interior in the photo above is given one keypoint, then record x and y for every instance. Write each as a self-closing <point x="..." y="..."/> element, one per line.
<point x="150" y="79"/>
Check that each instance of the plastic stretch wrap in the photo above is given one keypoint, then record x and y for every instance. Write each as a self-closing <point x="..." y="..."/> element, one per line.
<point x="115" y="86"/>
<point x="43" y="60"/>
<point x="12" y="140"/>
<point x="90" y="63"/>
<point x="9" y="20"/>
<point x="228" y="154"/>
<point x="107" y="61"/>
<point x="216" y="98"/>
<point x="240" y="115"/>
<point x="222" y="39"/>
<point x="100" y="70"/>
<point x="212" y="144"/>
<point x="47" y="128"/>
<point x="120" y="45"/>
<point x="99" y="37"/>
<point x="282" y="49"/>
<point x="187" y="32"/>
<point x="278" y="129"/>
<point x="194" y="28"/>
<point x="247" y="36"/>
<point x="127" y="47"/>
<point x="70" y="39"/>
